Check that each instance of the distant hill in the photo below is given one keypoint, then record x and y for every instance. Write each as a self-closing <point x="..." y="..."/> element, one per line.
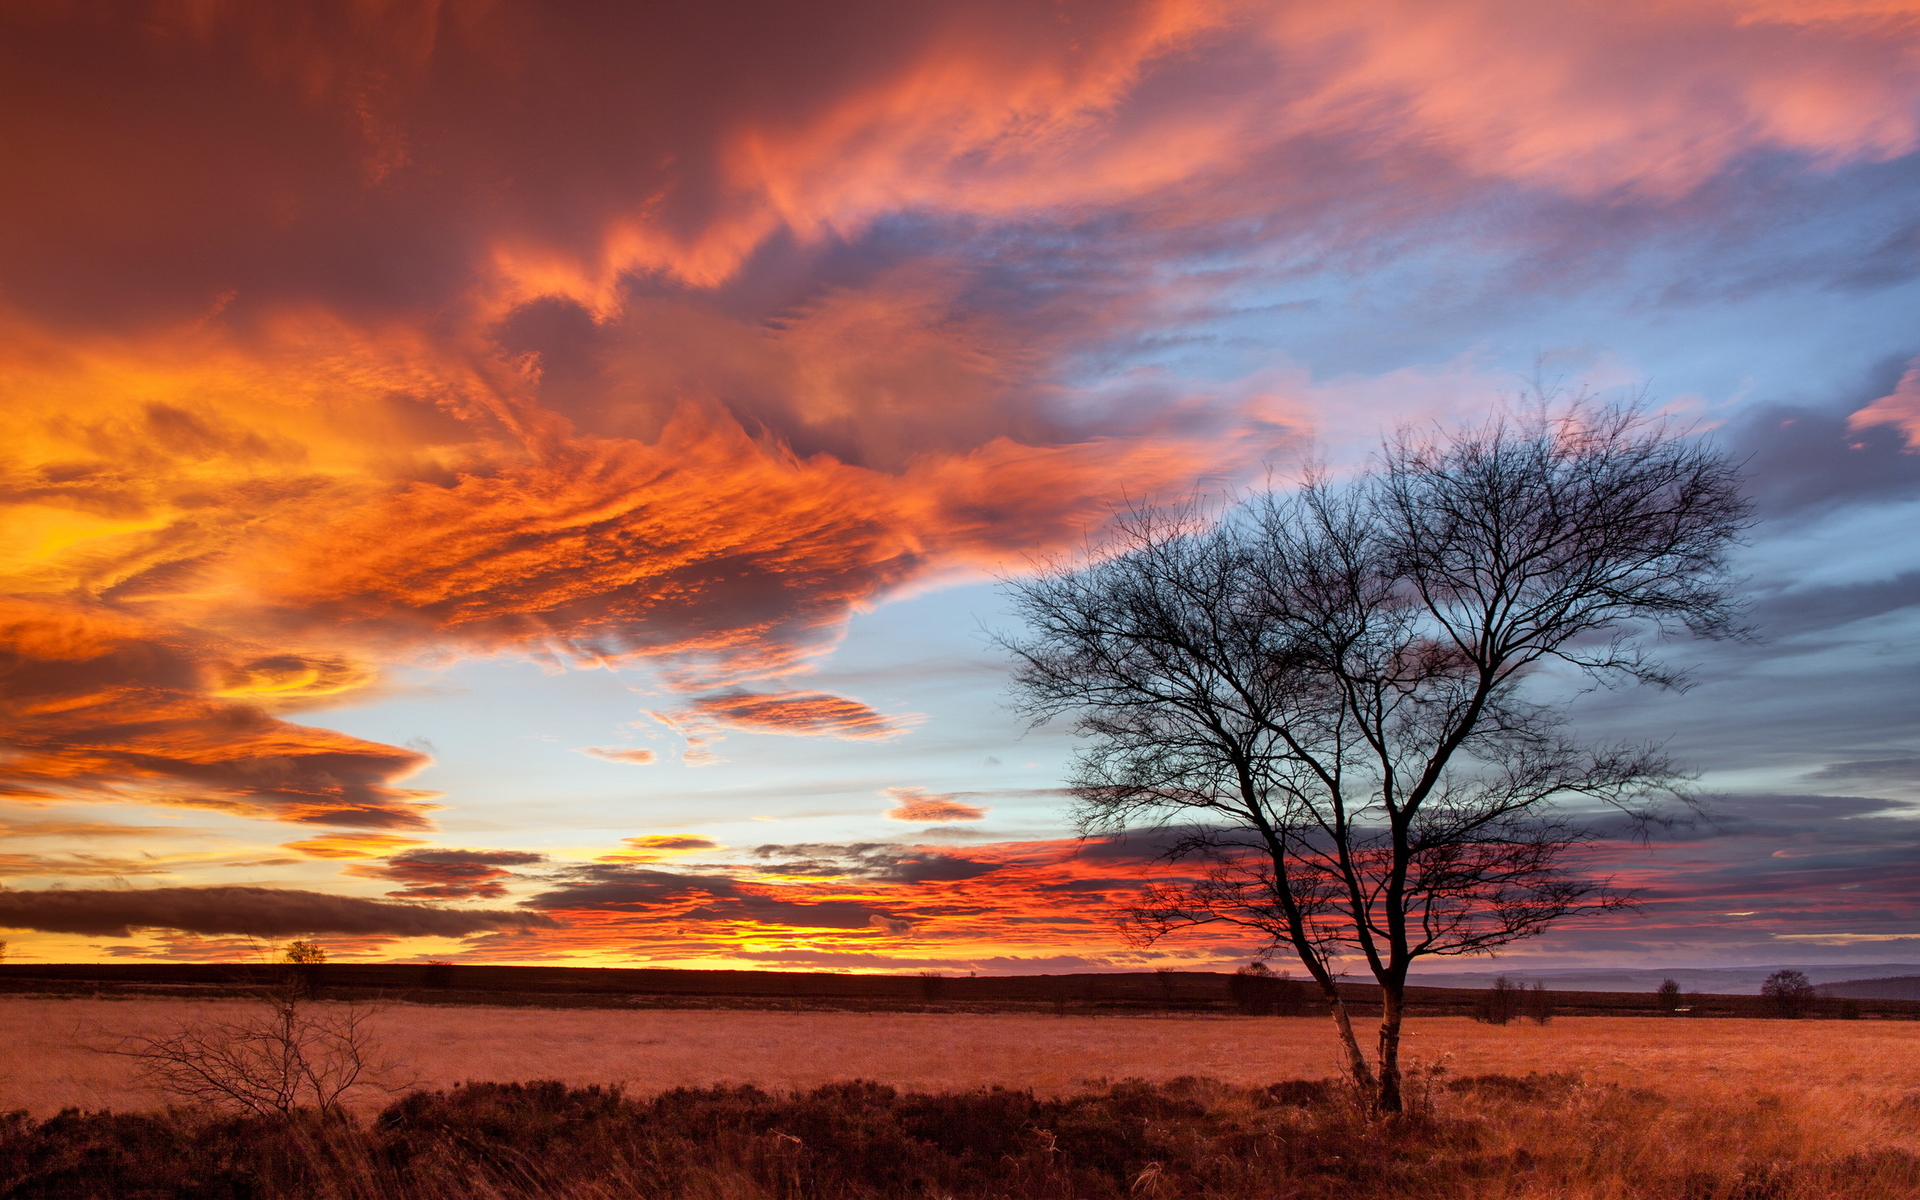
<point x="1726" y="981"/>
<point x="1899" y="987"/>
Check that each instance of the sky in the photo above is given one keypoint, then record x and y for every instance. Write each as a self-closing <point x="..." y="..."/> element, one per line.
<point x="528" y="482"/>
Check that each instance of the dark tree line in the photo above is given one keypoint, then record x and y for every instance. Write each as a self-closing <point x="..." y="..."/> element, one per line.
<point x="1346" y="701"/>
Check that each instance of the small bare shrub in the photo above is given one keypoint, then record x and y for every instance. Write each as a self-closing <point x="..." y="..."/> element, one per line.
<point x="283" y="1054"/>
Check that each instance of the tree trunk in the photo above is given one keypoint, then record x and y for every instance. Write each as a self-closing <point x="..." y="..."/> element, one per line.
<point x="1392" y="1009"/>
<point x="1363" y="1080"/>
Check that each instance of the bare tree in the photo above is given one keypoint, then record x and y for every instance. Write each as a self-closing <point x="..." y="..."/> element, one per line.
<point x="1332" y="696"/>
<point x="1667" y="996"/>
<point x="282" y="1054"/>
<point x="1789" y="994"/>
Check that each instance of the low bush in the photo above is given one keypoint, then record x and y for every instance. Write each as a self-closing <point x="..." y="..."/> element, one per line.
<point x="1488" y="1136"/>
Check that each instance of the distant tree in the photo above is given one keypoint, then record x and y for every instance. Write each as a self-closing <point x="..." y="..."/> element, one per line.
<point x="1788" y="994"/>
<point x="1501" y="1004"/>
<point x="1327" y="695"/>
<point x="305" y="960"/>
<point x="1537" y="1005"/>
<point x="1667" y="996"/>
<point x="1247" y="988"/>
<point x="1166" y="977"/>
<point x="1257" y="991"/>
<point x="305" y="953"/>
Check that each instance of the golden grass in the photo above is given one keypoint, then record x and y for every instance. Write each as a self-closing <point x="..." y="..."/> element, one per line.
<point x="1668" y="1109"/>
<point x="1824" y="1063"/>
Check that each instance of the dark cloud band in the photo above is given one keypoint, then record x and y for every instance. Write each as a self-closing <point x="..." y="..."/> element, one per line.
<point x="245" y="911"/>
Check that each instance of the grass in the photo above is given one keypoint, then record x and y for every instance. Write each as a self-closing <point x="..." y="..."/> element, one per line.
<point x="709" y="1105"/>
<point x="651" y="1050"/>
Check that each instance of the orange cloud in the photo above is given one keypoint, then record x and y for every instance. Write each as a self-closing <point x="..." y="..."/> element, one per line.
<point x="232" y="536"/>
<point x="351" y="845"/>
<point x="918" y="804"/>
<point x="98" y="705"/>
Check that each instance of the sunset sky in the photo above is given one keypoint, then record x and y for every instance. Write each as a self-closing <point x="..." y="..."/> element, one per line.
<point x="526" y="482"/>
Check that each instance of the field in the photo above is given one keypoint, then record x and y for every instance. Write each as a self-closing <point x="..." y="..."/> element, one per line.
<point x="649" y="1050"/>
<point x="983" y="1105"/>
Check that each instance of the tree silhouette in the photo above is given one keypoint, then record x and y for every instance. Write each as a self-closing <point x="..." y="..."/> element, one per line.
<point x="1337" y="698"/>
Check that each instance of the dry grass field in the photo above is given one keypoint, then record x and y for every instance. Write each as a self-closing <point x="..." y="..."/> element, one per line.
<point x="50" y="1066"/>
<point x="989" y="1105"/>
